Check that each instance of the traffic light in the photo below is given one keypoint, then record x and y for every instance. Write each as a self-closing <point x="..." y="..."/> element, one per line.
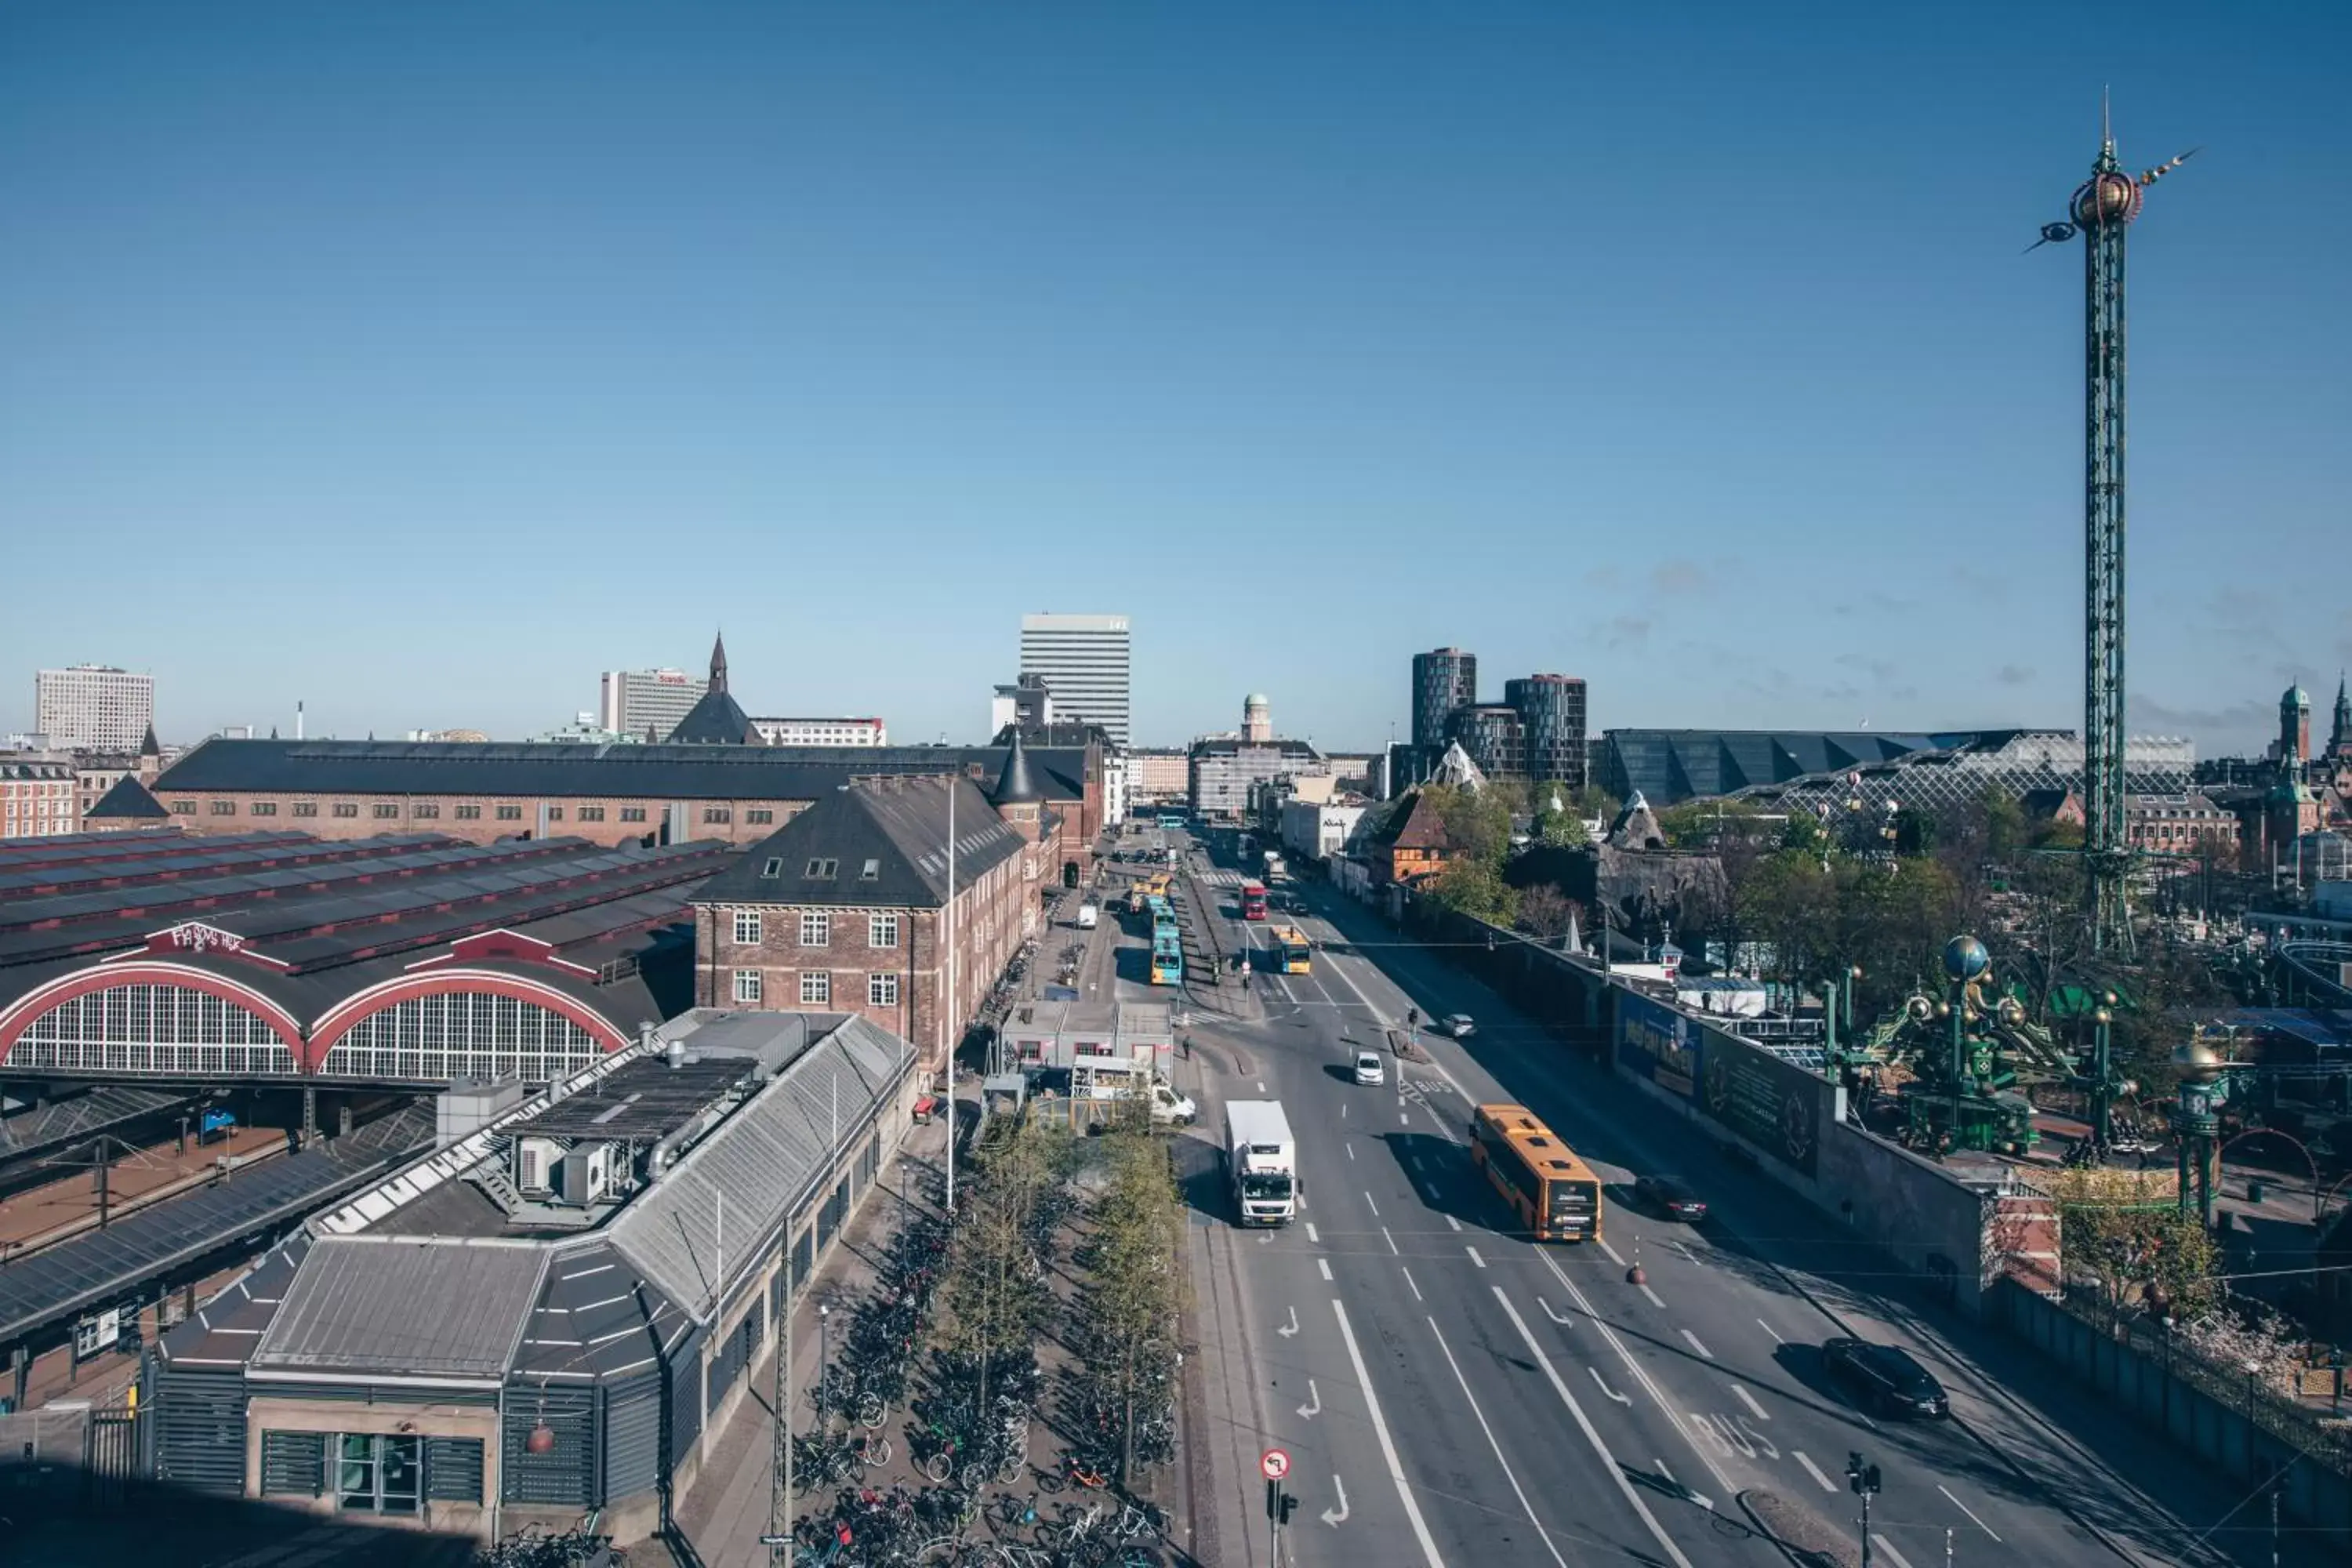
<point x="1413" y="1017"/>
<point x="1862" y="1478"/>
<point x="1289" y="1506"/>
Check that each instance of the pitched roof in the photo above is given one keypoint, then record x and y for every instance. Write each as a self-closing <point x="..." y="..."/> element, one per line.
<point x="605" y="772"/>
<point x="410" y="1306"/>
<point x="1016" y="786"/>
<point x="1418" y="826"/>
<point x="715" y="720"/>
<point x="879" y="842"/>
<point x="128" y="801"/>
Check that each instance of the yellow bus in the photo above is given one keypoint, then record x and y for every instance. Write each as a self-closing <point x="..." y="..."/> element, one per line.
<point x="1291" y="948"/>
<point x="1556" y="1196"/>
<point x="1146" y="889"/>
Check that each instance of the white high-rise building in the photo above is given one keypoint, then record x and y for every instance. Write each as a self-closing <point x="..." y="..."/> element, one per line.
<point x="632" y="701"/>
<point x="93" y="708"/>
<point x="1086" y="662"/>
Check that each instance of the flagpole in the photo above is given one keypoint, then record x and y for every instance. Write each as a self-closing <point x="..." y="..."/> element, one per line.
<point x="947" y="917"/>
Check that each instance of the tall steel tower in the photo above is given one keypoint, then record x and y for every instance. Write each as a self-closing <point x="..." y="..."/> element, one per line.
<point x="2102" y="213"/>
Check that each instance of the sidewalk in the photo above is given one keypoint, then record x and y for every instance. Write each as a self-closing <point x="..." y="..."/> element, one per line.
<point x="726" y="1512"/>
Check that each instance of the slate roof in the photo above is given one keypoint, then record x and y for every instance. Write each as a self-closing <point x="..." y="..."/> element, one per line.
<point x="1671" y="766"/>
<point x="763" y="1160"/>
<point x="554" y="770"/>
<point x="1016" y="786"/>
<point x="1418" y="827"/>
<point x="715" y="720"/>
<point x="128" y="801"/>
<point x="879" y="843"/>
<point x="404" y="1306"/>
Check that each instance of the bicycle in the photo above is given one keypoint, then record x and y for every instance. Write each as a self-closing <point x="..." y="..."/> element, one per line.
<point x="874" y="1450"/>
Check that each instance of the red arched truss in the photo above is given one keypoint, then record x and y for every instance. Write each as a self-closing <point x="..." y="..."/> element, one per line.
<point x="19" y="1015"/>
<point x="346" y="1014"/>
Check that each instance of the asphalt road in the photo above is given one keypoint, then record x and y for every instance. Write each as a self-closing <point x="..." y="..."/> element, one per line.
<point x="1449" y="1393"/>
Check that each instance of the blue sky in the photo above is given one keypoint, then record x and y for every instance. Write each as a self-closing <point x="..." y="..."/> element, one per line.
<point x="419" y="361"/>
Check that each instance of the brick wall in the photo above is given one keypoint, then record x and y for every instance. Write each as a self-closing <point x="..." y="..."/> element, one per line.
<point x="475" y="819"/>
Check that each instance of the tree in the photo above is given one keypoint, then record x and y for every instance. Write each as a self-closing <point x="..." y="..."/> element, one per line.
<point x="1475" y="888"/>
<point x="1545" y="910"/>
<point x="996" y="1294"/>
<point x="1134" y="1288"/>
<point x="1561" y="829"/>
<point x="1476" y="821"/>
<point x="2124" y="1230"/>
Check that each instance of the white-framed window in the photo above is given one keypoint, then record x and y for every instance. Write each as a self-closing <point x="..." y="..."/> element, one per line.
<point x="816" y="989"/>
<point x="881" y="931"/>
<point x="816" y="929"/>
<point x="746" y="927"/>
<point x="747" y="986"/>
<point x="882" y="990"/>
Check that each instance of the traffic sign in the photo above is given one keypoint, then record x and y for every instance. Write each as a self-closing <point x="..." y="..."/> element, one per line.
<point x="1274" y="1464"/>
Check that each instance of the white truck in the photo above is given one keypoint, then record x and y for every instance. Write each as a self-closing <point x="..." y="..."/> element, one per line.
<point x="1088" y="917"/>
<point x="1275" y="870"/>
<point x="1262" y="1157"/>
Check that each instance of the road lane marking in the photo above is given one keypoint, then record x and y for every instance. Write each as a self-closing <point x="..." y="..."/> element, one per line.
<point x="1887" y="1549"/>
<point x="1416" y="1161"/>
<point x="1636" y="1369"/>
<point x="1290" y="1329"/>
<point x="1351" y="1150"/>
<point x="1403" y="1119"/>
<point x="1703" y="1502"/>
<point x="1696" y="1346"/>
<point x="1337" y="1517"/>
<point x="1325" y="1264"/>
<point x="1390" y="1240"/>
<point x="1771" y="1330"/>
<point x="1431" y="1188"/>
<point x="1611" y="1253"/>
<point x="1749" y="1400"/>
<point x="1606" y="1389"/>
<point x="1653" y="1295"/>
<point x="1371" y="1205"/>
<point x="1261" y="1087"/>
<point x="1474" y="1257"/>
<point x="1314" y="1405"/>
<point x="1408" y="1280"/>
<point x="1687" y="1252"/>
<point x="1965" y="1508"/>
<point x="1812" y="1469"/>
<point x="1396" y="1466"/>
<point x="1584" y="1423"/>
<point x="1451" y="1221"/>
<point x="1491" y="1443"/>
<point x="1311" y="1232"/>
<point x="1555" y="1316"/>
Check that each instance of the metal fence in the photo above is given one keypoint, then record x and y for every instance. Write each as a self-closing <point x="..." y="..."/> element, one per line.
<point x="72" y="1451"/>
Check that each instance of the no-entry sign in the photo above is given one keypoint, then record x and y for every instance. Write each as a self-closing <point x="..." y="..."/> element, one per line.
<point x="1274" y="1464"/>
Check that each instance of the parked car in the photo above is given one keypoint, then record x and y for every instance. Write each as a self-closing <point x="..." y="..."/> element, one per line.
<point x="1457" y="1024"/>
<point x="1370" y="1070"/>
<point x="1886" y="1378"/>
<point x="1671" y="1196"/>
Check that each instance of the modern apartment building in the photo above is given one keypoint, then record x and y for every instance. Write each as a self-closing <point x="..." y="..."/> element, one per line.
<point x="93" y="708"/>
<point x="823" y="732"/>
<point x="634" y="701"/>
<point x="1551" y="709"/>
<point x="1086" y="662"/>
<point x="1443" y="680"/>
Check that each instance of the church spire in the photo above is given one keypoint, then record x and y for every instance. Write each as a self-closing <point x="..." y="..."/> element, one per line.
<point x="718" y="662"/>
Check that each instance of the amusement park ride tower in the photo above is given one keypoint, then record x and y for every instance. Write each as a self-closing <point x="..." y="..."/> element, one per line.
<point x="2102" y="213"/>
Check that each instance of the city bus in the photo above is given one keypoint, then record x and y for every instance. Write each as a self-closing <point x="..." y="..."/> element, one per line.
<point x="1252" y="900"/>
<point x="1290" y="949"/>
<point x="1167" y="953"/>
<point x="1556" y="1196"/>
<point x="1171" y="822"/>
<point x="1144" y="890"/>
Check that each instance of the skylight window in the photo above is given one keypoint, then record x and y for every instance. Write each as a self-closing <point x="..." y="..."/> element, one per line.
<point x="822" y="871"/>
<point x="872" y="873"/>
<point x="775" y="867"/>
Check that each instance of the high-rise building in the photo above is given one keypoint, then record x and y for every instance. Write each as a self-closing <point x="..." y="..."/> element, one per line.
<point x="1551" y="726"/>
<point x="1443" y="680"/>
<point x="93" y="708"/>
<point x="1492" y="736"/>
<point x="1086" y="662"/>
<point x="634" y="701"/>
<point x="1257" y="718"/>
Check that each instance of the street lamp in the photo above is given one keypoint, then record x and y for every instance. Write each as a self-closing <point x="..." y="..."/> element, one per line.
<point x="823" y="1365"/>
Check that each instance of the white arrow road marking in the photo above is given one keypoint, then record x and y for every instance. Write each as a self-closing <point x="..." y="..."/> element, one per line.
<point x="1606" y="1389"/>
<point x="1812" y="1469"/>
<point x="1314" y="1405"/>
<point x="1389" y="1449"/>
<point x="1293" y="1326"/>
<point x="1584" y="1424"/>
<point x="1336" y="1517"/>
<point x="1749" y="1400"/>
<point x="1555" y="1316"/>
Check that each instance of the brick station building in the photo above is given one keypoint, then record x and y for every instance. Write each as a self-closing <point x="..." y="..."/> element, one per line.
<point x="850" y="907"/>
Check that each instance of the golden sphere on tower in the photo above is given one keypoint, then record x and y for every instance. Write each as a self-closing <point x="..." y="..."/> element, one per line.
<point x="2106" y="199"/>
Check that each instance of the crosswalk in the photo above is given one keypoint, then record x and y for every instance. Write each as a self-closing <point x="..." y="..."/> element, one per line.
<point x="1222" y="876"/>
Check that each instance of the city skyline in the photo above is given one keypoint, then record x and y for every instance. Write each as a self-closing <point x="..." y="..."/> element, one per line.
<point x="1689" y="472"/>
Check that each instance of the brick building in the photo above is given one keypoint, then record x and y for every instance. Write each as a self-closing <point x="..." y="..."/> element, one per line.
<point x="482" y="794"/>
<point x="848" y="907"/>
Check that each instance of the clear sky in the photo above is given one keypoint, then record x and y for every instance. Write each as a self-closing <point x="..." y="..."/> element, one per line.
<point x="420" y="360"/>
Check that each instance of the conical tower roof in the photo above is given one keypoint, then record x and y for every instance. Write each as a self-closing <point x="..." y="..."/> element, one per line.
<point x="1017" y="784"/>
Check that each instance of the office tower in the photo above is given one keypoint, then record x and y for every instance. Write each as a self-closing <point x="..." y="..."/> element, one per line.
<point x="634" y="701"/>
<point x="1086" y="662"/>
<point x="1551" y="726"/>
<point x="1443" y="680"/>
<point x="1494" y="738"/>
<point x="93" y="708"/>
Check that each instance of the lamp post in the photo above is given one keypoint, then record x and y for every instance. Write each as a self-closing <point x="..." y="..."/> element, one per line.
<point x="824" y="1365"/>
<point x="2196" y="1122"/>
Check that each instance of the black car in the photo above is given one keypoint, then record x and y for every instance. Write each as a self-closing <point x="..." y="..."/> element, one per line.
<point x="1671" y="1196"/>
<point x="1887" y="1380"/>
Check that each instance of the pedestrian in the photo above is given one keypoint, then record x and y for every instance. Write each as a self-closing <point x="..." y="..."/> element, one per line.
<point x="1188" y="1048"/>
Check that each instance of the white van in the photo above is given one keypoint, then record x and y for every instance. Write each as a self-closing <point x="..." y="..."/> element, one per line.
<point x="1088" y="916"/>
